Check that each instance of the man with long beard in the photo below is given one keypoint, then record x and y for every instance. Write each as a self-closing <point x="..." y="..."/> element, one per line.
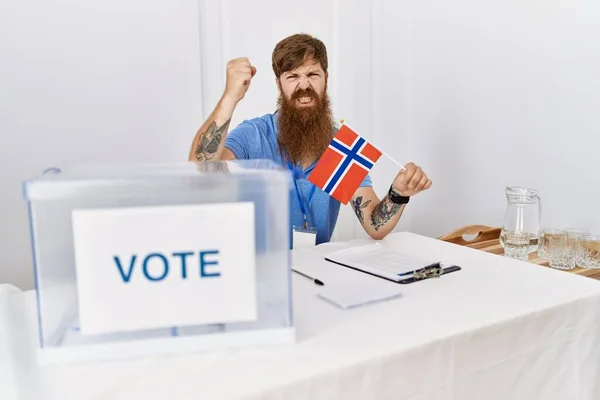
<point x="295" y="136"/>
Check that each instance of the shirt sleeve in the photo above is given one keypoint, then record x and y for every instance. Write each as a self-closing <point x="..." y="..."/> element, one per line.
<point x="366" y="182"/>
<point x="239" y="140"/>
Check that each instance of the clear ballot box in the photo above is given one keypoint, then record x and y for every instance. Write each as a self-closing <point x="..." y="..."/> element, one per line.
<point x="134" y="260"/>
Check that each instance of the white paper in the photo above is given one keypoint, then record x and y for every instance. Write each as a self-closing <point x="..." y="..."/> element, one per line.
<point x="374" y="258"/>
<point x="349" y="296"/>
<point x="133" y="294"/>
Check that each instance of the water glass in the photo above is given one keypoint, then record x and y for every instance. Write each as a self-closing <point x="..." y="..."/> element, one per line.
<point x="561" y="252"/>
<point x="574" y="235"/>
<point x="516" y="245"/>
<point x="544" y="236"/>
<point x="590" y="251"/>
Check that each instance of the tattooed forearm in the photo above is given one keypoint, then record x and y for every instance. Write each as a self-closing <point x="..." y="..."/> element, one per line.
<point x="383" y="212"/>
<point x="210" y="141"/>
<point x="358" y="205"/>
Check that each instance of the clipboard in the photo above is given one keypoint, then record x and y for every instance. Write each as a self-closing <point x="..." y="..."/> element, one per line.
<point x="431" y="271"/>
<point x="390" y="264"/>
<point x="434" y="270"/>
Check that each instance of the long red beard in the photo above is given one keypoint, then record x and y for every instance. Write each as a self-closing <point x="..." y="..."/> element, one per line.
<point x="305" y="133"/>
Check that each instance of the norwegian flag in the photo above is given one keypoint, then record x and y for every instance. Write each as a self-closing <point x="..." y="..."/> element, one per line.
<point x="344" y="165"/>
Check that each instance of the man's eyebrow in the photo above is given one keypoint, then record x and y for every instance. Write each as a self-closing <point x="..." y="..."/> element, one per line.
<point x="307" y="73"/>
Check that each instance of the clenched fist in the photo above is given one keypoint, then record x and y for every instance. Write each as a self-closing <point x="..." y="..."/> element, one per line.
<point x="411" y="180"/>
<point x="239" y="75"/>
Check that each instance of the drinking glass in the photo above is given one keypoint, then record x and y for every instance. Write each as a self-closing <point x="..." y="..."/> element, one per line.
<point x="544" y="236"/>
<point x="561" y="252"/>
<point x="590" y="251"/>
<point x="516" y="245"/>
<point x="574" y="235"/>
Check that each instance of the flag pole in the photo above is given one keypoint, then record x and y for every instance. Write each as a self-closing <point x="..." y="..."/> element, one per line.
<point x="385" y="154"/>
<point x="394" y="161"/>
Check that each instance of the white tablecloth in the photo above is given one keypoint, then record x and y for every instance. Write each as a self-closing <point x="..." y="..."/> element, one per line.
<point x="498" y="329"/>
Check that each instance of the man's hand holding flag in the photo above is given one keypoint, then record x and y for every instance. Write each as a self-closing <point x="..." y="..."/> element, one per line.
<point x="347" y="161"/>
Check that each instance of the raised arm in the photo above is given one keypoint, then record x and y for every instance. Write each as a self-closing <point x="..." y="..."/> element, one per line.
<point x="379" y="217"/>
<point x="208" y="144"/>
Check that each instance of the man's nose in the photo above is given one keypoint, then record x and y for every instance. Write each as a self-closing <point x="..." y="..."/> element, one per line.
<point x="303" y="83"/>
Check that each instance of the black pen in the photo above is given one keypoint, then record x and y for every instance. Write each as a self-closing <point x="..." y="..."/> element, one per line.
<point x="318" y="282"/>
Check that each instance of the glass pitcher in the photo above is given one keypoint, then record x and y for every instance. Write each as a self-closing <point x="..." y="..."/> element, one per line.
<point x="523" y="214"/>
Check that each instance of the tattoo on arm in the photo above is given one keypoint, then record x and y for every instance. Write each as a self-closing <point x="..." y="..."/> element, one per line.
<point x="209" y="144"/>
<point x="383" y="212"/>
<point x="358" y="205"/>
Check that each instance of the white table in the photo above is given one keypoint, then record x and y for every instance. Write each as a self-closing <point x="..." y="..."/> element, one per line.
<point x="498" y="329"/>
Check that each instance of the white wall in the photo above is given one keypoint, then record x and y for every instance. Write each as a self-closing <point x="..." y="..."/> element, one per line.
<point x="113" y="80"/>
<point x="501" y="93"/>
<point x="482" y="94"/>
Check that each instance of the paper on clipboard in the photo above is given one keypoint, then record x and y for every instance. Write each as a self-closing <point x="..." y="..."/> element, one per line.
<point x="377" y="260"/>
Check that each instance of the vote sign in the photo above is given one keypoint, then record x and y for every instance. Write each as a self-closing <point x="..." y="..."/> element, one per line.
<point x="163" y="266"/>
